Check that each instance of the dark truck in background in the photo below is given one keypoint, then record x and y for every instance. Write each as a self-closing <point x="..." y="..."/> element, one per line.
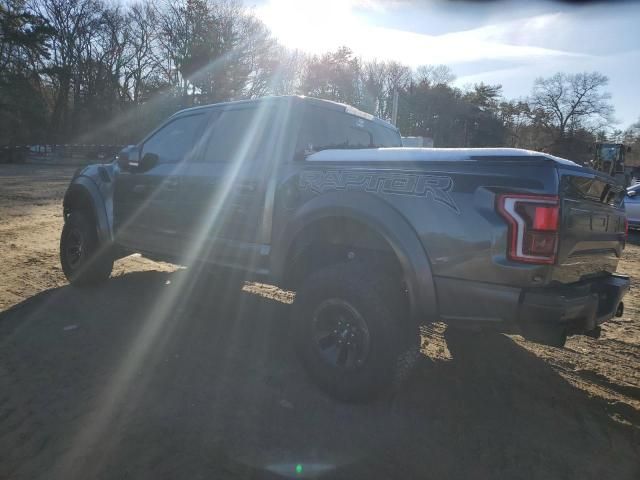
<point x="375" y="240"/>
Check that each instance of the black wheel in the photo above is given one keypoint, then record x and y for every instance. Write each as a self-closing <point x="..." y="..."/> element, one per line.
<point x="82" y="260"/>
<point x="350" y="332"/>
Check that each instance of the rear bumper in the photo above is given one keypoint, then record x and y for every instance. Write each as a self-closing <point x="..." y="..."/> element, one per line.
<point x="577" y="307"/>
<point x="580" y="307"/>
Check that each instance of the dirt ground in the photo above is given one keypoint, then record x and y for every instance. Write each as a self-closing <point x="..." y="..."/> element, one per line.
<point x="160" y="375"/>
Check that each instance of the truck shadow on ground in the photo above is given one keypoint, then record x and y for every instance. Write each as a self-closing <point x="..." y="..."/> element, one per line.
<point x="155" y="376"/>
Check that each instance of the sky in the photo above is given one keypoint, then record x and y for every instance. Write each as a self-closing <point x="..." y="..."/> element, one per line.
<point x="505" y="42"/>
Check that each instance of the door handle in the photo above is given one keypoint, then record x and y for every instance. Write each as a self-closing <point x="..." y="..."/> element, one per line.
<point x="247" y="187"/>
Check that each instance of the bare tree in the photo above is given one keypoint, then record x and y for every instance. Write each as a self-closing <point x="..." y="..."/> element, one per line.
<point x="218" y="49"/>
<point x="74" y="22"/>
<point x="140" y="54"/>
<point x="287" y="75"/>
<point x="434" y="75"/>
<point x="334" y="76"/>
<point x="515" y="116"/>
<point x="570" y="100"/>
<point x="380" y="80"/>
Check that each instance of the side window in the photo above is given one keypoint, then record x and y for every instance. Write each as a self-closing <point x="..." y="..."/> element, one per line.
<point x="235" y="135"/>
<point x="322" y="129"/>
<point x="175" y="141"/>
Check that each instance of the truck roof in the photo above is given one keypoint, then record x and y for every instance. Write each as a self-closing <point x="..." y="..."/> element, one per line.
<point x="429" y="154"/>
<point x="329" y="104"/>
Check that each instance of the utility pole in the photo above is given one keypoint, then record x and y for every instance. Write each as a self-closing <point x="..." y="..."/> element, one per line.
<point x="394" y="108"/>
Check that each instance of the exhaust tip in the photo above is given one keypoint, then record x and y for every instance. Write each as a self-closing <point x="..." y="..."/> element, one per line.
<point x="620" y="309"/>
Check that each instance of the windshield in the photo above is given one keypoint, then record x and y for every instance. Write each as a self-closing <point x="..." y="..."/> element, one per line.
<point x="610" y="153"/>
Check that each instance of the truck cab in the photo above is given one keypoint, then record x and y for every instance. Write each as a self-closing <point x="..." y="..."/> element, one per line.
<point x="201" y="187"/>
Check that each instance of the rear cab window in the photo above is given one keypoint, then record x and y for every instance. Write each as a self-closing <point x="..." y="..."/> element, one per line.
<point x="324" y="129"/>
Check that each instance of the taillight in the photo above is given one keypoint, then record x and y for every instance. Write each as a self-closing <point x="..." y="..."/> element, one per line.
<point x="533" y="226"/>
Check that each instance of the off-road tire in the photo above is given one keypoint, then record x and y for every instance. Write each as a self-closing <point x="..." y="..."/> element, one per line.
<point x="86" y="263"/>
<point x="393" y="343"/>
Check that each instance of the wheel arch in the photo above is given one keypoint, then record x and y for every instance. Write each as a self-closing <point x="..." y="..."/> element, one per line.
<point x="83" y="195"/>
<point x="383" y="229"/>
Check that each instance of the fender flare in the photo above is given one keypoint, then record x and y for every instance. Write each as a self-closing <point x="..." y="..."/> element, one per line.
<point x="87" y="188"/>
<point x="378" y="215"/>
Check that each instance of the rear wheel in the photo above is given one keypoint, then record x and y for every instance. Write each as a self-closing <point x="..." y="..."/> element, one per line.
<point x="83" y="261"/>
<point x="350" y="334"/>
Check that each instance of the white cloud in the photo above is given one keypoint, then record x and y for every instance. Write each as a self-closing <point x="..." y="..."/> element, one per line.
<point x="316" y="27"/>
<point x="498" y="45"/>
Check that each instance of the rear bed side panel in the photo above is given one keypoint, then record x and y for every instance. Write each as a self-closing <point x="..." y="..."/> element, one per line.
<point x="467" y="244"/>
<point x="464" y="236"/>
<point x="450" y="207"/>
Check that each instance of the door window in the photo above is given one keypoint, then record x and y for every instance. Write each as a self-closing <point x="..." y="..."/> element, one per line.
<point x="235" y="136"/>
<point x="176" y="140"/>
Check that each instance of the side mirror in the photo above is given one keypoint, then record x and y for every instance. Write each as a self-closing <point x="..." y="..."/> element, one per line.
<point x="123" y="160"/>
<point x="631" y="193"/>
<point x="126" y="156"/>
<point x="149" y="160"/>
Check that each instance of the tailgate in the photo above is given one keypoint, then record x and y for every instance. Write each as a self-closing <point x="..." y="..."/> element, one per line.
<point x="592" y="230"/>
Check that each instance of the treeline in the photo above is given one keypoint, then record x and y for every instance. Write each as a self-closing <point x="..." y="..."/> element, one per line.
<point x="91" y="71"/>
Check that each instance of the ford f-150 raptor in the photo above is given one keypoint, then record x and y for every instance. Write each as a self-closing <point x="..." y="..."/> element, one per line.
<point x="319" y="198"/>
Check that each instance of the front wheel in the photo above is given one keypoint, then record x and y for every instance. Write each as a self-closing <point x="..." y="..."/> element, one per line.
<point x="349" y="331"/>
<point x="83" y="260"/>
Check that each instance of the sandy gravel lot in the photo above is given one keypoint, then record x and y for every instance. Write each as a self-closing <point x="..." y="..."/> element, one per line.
<point x="138" y="379"/>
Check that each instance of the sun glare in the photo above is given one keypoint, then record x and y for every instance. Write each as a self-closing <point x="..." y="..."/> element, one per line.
<point x="304" y="26"/>
<point x="321" y="26"/>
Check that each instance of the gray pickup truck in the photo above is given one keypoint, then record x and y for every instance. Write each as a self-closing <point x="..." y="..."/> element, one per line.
<point x="319" y="198"/>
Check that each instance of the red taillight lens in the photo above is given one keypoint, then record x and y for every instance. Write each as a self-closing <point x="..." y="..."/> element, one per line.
<point x="533" y="226"/>
<point x="546" y="218"/>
